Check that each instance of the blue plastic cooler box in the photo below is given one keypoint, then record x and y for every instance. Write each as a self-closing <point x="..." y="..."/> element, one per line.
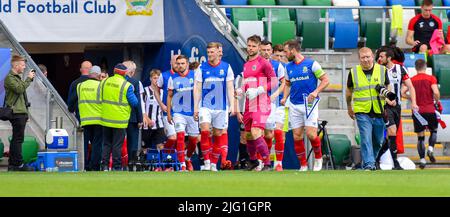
<point x="57" y="139"/>
<point x="57" y="161"/>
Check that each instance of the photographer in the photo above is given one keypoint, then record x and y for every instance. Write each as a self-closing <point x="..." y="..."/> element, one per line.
<point x="367" y="104"/>
<point x="16" y="99"/>
<point x="399" y="79"/>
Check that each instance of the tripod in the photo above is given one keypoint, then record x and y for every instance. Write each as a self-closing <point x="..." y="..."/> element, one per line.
<point x="325" y="143"/>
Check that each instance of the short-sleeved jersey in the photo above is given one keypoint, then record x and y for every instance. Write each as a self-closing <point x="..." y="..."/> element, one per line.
<point x="162" y="83"/>
<point x="424" y="28"/>
<point x="280" y="71"/>
<point x="258" y="72"/>
<point x="303" y="78"/>
<point x="214" y="84"/>
<point x="183" y="96"/>
<point x="397" y="75"/>
<point x="424" y="97"/>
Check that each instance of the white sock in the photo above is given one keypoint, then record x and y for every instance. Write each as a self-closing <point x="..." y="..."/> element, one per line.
<point x="430" y="148"/>
<point x="187" y="158"/>
<point x="279" y="162"/>
<point x="183" y="164"/>
<point x="207" y="161"/>
<point x="422" y="160"/>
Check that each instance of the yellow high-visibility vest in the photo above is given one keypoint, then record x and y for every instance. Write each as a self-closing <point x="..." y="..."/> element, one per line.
<point x="89" y="103"/>
<point x="115" y="107"/>
<point x="364" y="94"/>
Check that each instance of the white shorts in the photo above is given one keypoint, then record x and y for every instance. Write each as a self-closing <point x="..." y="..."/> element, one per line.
<point x="168" y="128"/>
<point x="217" y="118"/>
<point x="277" y="116"/>
<point x="270" y="123"/>
<point x="297" y="116"/>
<point x="186" y="124"/>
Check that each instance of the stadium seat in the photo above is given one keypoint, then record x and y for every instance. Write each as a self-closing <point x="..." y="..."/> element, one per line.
<point x="340" y="147"/>
<point x="2" y="149"/>
<point x="261" y="2"/>
<point x="372" y="2"/>
<point x="243" y="14"/>
<point x="441" y="62"/>
<point x="232" y="2"/>
<point x="344" y="29"/>
<point x="371" y="27"/>
<point x="348" y="3"/>
<point x="30" y="149"/>
<point x="410" y="59"/>
<point x="318" y="3"/>
<point x="277" y="15"/>
<point x="291" y="2"/>
<point x="444" y="79"/>
<point x="283" y="31"/>
<point x="310" y="28"/>
<point x="401" y="2"/>
<point x="249" y="28"/>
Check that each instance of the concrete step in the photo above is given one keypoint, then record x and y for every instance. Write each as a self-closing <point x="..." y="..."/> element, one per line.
<point x="439" y="159"/>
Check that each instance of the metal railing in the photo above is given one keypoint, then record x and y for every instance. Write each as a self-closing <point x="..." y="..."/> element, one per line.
<point x="343" y="68"/>
<point x="46" y="104"/>
<point x="327" y="19"/>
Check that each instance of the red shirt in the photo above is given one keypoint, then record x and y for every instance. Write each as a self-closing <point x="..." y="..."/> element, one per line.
<point x="424" y="94"/>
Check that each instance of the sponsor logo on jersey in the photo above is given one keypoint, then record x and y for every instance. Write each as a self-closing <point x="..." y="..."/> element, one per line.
<point x="421" y="24"/>
<point x="301" y="78"/>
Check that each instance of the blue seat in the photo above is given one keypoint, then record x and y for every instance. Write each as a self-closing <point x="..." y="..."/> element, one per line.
<point x="339" y="15"/>
<point x="344" y="29"/>
<point x="402" y="2"/>
<point x="410" y="59"/>
<point x="446" y="3"/>
<point x="232" y="2"/>
<point x="346" y="35"/>
<point x="372" y="2"/>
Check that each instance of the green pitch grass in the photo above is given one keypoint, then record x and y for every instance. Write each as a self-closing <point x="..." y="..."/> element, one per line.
<point x="430" y="182"/>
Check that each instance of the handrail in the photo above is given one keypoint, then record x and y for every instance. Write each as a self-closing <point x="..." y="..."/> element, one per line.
<point x="51" y="94"/>
<point x="39" y="73"/>
<point x="222" y="26"/>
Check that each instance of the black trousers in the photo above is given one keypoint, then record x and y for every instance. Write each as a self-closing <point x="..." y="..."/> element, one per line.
<point x="112" y="142"/>
<point x="18" y="123"/>
<point x="94" y="135"/>
<point x="132" y="141"/>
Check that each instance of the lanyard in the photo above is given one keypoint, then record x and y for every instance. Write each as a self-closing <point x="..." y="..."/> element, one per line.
<point x="309" y="106"/>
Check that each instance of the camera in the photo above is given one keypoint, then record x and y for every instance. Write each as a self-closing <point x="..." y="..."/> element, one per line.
<point x="383" y="91"/>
